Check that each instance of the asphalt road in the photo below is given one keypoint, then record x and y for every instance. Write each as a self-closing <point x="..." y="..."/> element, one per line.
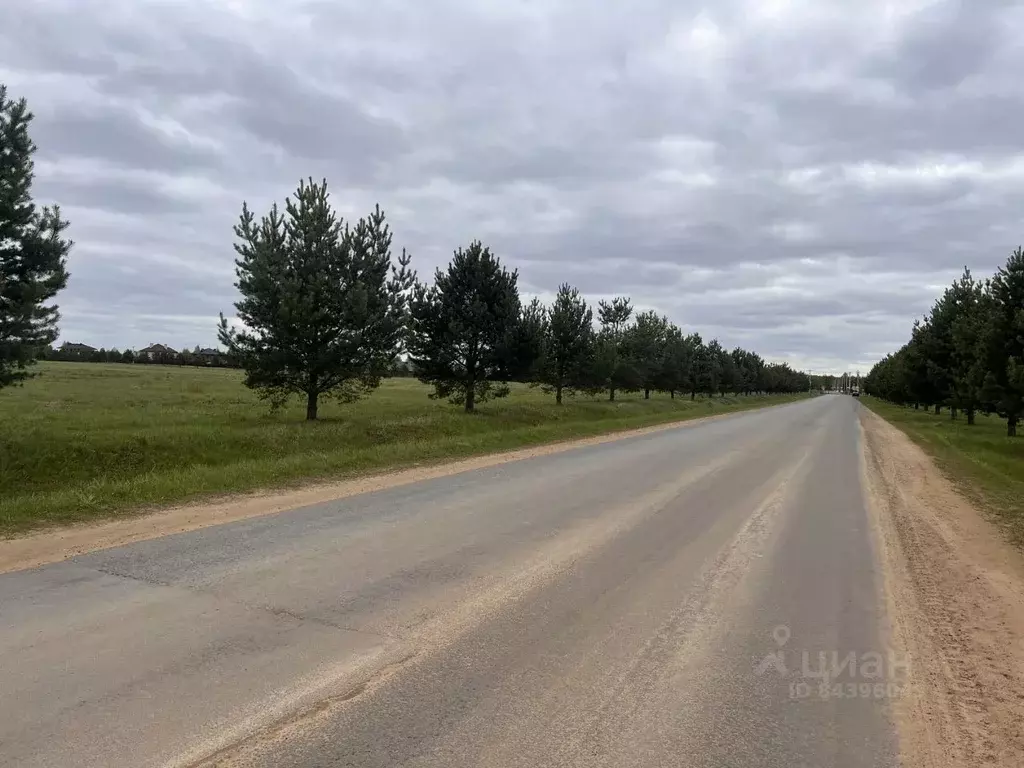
<point x="661" y="600"/>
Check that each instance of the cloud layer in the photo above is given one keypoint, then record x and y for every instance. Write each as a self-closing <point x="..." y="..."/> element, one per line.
<point x="793" y="176"/>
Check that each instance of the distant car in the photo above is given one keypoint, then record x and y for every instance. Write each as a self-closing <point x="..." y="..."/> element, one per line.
<point x="855" y="393"/>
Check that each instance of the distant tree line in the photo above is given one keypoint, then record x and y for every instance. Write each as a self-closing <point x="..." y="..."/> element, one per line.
<point x="326" y="312"/>
<point x="79" y="353"/>
<point x="967" y="354"/>
<point x="468" y="330"/>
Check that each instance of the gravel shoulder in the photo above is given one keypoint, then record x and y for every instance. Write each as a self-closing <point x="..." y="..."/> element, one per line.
<point x="954" y="589"/>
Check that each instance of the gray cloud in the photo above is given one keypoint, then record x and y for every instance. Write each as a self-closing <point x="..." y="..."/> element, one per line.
<point x="947" y="44"/>
<point x="797" y="177"/>
<point x="116" y="135"/>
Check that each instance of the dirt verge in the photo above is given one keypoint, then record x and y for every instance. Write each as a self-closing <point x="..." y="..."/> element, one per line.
<point x="55" y="544"/>
<point x="954" y="590"/>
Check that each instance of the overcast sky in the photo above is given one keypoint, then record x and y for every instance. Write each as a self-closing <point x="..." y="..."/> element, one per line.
<point x="799" y="177"/>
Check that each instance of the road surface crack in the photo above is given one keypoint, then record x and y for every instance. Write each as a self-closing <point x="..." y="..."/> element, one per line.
<point x="276" y="611"/>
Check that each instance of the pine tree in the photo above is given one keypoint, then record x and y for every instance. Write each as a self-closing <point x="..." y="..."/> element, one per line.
<point x="323" y="305"/>
<point x="526" y="347"/>
<point x="936" y="340"/>
<point x="464" y="326"/>
<point x="676" y="364"/>
<point x="699" y="364"/>
<point x="920" y="386"/>
<point x="645" y="349"/>
<point x="610" y="369"/>
<point x="1004" y="342"/>
<point x="33" y="255"/>
<point x="568" y="343"/>
<point x="967" y="372"/>
<point x="749" y="367"/>
<point x="712" y="370"/>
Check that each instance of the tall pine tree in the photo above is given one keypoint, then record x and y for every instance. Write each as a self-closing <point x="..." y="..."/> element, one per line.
<point x="968" y="363"/>
<point x="33" y="255"/>
<point x="711" y="371"/>
<point x="644" y="345"/>
<point x="1004" y="342"/>
<point x="465" y="329"/>
<point x="677" y="362"/>
<point x="526" y="345"/>
<point x="568" y="343"/>
<point x="699" y="364"/>
<point x="323" y="306"/>
<point x="610" y="368"/>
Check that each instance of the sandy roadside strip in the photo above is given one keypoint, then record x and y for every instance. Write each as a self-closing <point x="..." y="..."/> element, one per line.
<point x="954" y="595"/>
<point x="55" y="544"/>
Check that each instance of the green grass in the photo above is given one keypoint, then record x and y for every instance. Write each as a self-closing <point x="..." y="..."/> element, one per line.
<point x="85" y="441"/>
<point x="981" y="460"/>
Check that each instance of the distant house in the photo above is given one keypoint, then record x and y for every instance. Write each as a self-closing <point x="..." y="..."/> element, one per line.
<point x="155" y="352"/>
<point x="209" y="356"/>
<point x="78" y="349"/>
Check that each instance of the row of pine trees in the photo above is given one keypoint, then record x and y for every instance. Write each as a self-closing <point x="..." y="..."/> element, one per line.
<point x="326" y="312"/>
<point x="967" y="354"/>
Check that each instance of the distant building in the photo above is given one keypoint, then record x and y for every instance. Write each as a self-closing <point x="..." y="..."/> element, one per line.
<point x="73" y="348"/>
<point x="209" y="356"/>
<point x="156" y="352"/>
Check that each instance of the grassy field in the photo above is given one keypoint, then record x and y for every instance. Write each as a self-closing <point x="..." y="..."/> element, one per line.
<point x="89" y="440"/>
<point x="981" y="460"/>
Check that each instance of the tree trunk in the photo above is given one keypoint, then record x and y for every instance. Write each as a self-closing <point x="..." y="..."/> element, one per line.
<point x="558" y="394"/>
<point x="917" y="406"/>
<point x="611" y="394"/>
<point x="647" y="394"/>
<point x="672" y="394"/>
<point x="693" y="394"/>
<point x="311" y="405"/>
<point x="970" y="417"/>
<point x="1011" y="425"/>
<point x="470" y="397"/>
<point x="938" y="408"/>
<point x="952" y="414"/>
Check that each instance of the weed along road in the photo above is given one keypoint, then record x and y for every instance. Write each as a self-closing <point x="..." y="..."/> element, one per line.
<point x="708" y="595"/>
